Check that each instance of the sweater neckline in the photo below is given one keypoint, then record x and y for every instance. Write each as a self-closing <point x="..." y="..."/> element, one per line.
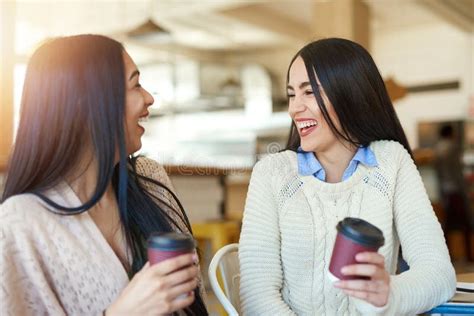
<point x="326" y="187"/>
<point x="64" y="194"/>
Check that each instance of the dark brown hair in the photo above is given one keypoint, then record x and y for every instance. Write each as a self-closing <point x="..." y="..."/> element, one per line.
<point x="74" y="97"/>
<point x="356" y="90"/>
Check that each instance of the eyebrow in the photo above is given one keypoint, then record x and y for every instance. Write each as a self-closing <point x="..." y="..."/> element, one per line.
<point x="135" y="73"/>
<point x="301" y="86"/>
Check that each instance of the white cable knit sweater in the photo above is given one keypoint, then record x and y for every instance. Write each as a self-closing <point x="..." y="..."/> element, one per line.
<point x="289" y="229"/>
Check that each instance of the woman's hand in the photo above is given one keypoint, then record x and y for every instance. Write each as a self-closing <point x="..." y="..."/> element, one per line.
<point x="159" y="289"/>
<point x="377" y="289"/>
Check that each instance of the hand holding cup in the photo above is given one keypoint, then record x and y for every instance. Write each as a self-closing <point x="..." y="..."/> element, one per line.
<point x="355" y="264"/>
<point x="166" y="283"/>
<point x="376" y="289"/>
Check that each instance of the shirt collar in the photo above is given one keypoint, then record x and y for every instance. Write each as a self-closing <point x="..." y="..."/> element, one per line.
<point x="309" y="165"/>
<point x="365" y="156"/>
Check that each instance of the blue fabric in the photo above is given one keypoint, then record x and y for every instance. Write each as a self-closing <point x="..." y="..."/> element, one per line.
<point x="453" y="309"/>
<point x="309" y="165"/>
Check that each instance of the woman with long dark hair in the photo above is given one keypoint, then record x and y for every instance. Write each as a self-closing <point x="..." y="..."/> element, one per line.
<point x="347" y="156"/>
<point x="77" y="207"/>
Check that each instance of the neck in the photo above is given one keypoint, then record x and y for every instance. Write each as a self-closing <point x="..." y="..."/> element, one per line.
<point x="84" y="183"/>
<point x="105" y="213"/>
<point x="335" y="161"/>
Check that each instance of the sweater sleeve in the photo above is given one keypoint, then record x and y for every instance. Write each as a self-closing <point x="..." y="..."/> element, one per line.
<point x="152" y="169"/>
<point x="261" y="275"/>
<point x="431" y="279"/>
<point x="24" y="289"/>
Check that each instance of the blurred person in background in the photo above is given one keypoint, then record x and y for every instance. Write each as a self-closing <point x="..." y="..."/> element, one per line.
<point x="347" y="156"/>
<point x="78" y="207"/>
<point x="452" y="187"/>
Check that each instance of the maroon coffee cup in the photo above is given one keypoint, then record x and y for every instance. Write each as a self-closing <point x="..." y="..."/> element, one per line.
<point x="162" y="246"/>
<point x="354" y="235"/>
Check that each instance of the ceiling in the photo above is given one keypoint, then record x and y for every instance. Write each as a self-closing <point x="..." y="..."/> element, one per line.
<point x="215" y="24"/>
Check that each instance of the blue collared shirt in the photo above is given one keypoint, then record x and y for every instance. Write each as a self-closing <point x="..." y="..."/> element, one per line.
<point x="309" y="165"/>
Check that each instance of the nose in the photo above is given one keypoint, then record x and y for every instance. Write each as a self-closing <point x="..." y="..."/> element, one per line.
<point x="149" y="100"/>
<point x="296" y="105"/>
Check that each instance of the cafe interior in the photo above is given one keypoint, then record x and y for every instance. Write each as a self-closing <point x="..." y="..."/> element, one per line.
<point x="217" y="72"/>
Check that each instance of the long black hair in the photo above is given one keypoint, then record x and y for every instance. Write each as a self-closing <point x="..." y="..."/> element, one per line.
<point x="73" y="99"/>
<point x="356" y="90"/>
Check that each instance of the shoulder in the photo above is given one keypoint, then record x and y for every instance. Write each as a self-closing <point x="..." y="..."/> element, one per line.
<point x="21" y="205"/>
<point x="160" y="183"/>
<point x="389" y="152"/>
<point x="282" y="163"/>
<point x="24" y="213"/>
<point x="151" y="169"/>
<point x="276" y="172"/>
<point x="387" y="147"/>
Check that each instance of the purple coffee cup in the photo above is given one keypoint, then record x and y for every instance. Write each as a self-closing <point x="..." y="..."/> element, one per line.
<point x="354" y="235"/>
<point x="162" y="246"/>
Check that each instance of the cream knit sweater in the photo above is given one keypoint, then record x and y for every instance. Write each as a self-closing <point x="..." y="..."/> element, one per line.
<point x="289" y="230"/>
<point x="62" y="265"/>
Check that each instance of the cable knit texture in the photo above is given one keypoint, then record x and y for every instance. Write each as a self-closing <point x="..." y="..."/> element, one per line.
<point x="289" y="229"/>
<point x="60" y="265"/>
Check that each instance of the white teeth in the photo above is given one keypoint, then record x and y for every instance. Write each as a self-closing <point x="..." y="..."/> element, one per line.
<point x="143" y="119"/>
<point x="306" y="124"/>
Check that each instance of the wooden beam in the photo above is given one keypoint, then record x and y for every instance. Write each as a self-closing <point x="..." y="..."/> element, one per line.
<point x="262" y="16"/>
<point x="435" y="86"/>
<point x="342" y="18"/>
<point x="169" y="51"/>
<point x="397" y="91"/>
<point x="7" y="54"/>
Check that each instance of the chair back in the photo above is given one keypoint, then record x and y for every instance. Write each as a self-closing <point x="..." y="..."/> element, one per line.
<point x="226" y="260"/>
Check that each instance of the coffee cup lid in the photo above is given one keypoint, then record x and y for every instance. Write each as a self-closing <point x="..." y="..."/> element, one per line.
<point x="171" y="241"/>
<point x="361" y="232"/>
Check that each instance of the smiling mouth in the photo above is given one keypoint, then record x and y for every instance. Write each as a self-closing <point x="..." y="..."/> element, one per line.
<point x="143" y="118"/>
<point x="306" y="127"/>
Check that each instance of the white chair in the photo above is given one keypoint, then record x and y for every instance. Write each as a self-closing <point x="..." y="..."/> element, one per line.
<point x="227" y="260"/>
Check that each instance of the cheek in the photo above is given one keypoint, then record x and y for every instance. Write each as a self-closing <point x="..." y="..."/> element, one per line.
<point x="130" y="124"/>
<point x="335" y="120"/>
<point x="132" y="108"/>
<point x="318" y="115"/>
<point x="332" y="115"/>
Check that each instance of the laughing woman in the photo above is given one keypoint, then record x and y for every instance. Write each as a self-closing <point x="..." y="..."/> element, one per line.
<point x="347" y="156"/>
<point x="77" y="207"/>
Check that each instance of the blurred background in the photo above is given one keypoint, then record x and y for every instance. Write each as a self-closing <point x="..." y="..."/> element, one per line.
<point x="217" y="71"/>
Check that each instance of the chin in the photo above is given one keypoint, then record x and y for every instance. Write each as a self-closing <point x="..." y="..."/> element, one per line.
<point x="308" y="147"/>
<point x="133" y="148"/>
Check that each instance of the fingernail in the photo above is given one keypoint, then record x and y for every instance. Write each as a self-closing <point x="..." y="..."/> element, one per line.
<point x="360" y="256"/>
<point x="344" y="270"/>
<point x="337" y="284"/>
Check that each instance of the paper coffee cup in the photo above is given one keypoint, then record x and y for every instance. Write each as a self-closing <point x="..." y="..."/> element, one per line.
<point x="354" y="235"/>
<point x="162" y="246"/>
